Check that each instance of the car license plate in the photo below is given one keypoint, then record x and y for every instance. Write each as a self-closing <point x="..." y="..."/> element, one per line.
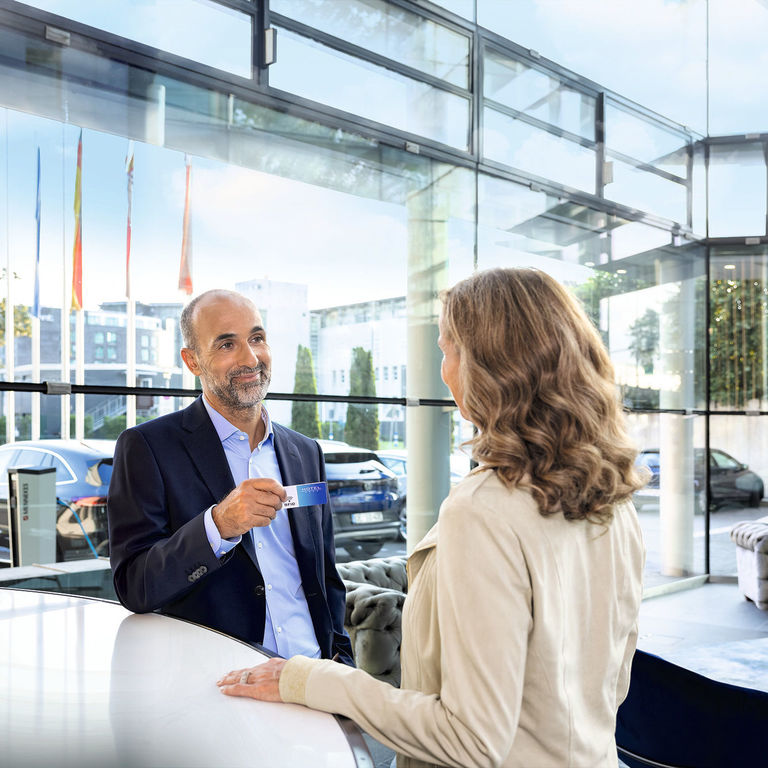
<point x="367" y="517"/>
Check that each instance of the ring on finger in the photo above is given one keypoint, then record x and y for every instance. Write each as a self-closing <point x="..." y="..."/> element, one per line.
<point x="244" y="678"/>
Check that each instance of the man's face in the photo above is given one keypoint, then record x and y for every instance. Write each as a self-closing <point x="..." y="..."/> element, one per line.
<point x="232" y="359"/>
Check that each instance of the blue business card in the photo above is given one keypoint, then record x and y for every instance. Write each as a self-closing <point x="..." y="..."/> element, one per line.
<point x="306" y="494"/>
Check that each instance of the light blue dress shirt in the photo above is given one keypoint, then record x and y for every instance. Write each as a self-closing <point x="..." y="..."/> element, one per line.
<point x="288" y="629"/>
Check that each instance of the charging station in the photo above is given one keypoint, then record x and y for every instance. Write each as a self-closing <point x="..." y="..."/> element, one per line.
<point x="32" y="515"/>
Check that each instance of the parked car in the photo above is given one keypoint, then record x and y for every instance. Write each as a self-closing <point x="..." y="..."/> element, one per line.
<point x="397" y="461"/>
<point x="730" y="480"/>
<point x="364" y="498"/>
<point x="83" y="469"/>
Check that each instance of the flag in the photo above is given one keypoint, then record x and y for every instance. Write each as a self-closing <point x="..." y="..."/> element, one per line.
<point x="185" y="268"/>
<point x="36" y="299"/>
<point x="77" y="251"/>
<point x="129" y="172"/>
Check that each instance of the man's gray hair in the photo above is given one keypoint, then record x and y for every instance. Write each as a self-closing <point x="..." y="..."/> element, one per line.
<point x="186" y="324"/>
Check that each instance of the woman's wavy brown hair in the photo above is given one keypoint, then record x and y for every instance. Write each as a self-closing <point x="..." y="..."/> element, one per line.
<point x="539" y="386"/>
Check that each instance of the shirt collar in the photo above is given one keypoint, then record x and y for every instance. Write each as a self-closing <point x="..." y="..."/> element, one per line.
<point x="225" y="429"/>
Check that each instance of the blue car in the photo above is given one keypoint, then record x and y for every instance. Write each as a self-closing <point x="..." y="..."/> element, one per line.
<point x="83" y="469"/>
<point x="364" y="498"/>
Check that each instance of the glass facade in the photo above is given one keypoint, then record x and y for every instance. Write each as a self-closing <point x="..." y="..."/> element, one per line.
<point x="391" y="149"/>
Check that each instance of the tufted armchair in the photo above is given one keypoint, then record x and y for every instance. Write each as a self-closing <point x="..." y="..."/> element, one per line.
<point x="751" y="539"/>
<point x="376" y="592"/>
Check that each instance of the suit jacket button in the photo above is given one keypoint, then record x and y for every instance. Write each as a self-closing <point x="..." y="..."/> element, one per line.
<point x="259" y="590"/>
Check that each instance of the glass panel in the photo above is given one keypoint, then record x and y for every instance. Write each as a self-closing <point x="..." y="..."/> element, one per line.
<point x="200" y="30"/>
<point x="737" y="33"/>
<point x="610" y="45"/>
<point x="738" y="335"/>
<point x="646" y="191"/>
<point x="647" y="300"/>
<point x="737" y="189"/>
<point x="538" y="94"/>
<point x="674" y="534"/>
<point x="738" y="473"/>
<point x="645" y="140"/>
<point x="319" y="73"/>
<point x="699" y="191"/>
<point x="532" y="150"/>
<point x="326" y="203"/>
<point x="388" y="30"/>
<point x="465" y="8"/>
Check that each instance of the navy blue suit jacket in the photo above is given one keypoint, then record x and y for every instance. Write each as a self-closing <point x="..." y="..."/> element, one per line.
<point x="166" y="473"/>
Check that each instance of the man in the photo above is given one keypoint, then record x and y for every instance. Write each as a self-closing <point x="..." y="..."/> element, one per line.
<point x="197" y="528"/>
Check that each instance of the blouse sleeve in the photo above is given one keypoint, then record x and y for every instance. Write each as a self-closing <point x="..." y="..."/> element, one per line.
<point x="485" y="615"/>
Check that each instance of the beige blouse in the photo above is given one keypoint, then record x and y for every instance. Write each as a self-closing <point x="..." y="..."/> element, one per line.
<point x="518" y="634"/>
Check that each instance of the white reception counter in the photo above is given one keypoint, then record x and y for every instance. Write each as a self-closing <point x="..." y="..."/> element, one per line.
<point x="86" y="683"/>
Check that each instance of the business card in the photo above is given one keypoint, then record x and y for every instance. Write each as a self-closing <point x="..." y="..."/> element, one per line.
<point x="305" y="494"/>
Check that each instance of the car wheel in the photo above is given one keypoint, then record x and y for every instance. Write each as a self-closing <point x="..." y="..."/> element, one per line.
<point x="756" y="496"/>
<point x="360" y="550"/>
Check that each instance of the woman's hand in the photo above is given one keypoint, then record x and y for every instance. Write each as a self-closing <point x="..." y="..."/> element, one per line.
<point x="262" y="682"/>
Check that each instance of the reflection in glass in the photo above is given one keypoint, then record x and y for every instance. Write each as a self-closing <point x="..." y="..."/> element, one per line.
<point x="645" y="140"/>
<point x="388" y="30"/>
<point x="200" y="30"/>
<point x="319" y="73"/>
<point x="738" y="477"/>
<point x="533" y="150"/>
<point x="644" y="190"/>
<point x="737" y="189"/>
<point x="610" y="44"/>
<point x="537" y="94"/>
<point x="465" y="8"/>
<point x="737" y="33"/>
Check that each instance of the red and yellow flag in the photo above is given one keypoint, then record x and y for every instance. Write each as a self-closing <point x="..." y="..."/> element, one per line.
<point x="129" y="173"/>
<point x="185" y="268"/>
<point x="77" y="251"/>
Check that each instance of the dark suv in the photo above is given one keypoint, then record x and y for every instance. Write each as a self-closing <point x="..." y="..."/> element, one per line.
<point x="364" y="498"/>
<point x="730" y="480"/>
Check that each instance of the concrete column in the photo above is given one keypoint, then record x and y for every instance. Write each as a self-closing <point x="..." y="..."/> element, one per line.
<point x="677" y="494"/>
<point x="428" y="429"/>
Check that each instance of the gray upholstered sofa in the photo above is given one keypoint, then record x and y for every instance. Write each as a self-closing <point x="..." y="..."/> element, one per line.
<point x="751" y="539"/>
<point x="375" y="594"/>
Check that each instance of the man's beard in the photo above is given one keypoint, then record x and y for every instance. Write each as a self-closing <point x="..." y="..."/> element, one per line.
<point x="239" y="397"/>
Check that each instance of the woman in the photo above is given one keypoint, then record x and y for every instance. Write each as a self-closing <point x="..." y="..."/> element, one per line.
<point x="521" y="618"/>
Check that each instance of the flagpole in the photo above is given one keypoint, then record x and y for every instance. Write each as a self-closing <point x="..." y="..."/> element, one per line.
<point x="10" y="400"/>
<point x="130" y="352"/>
<point x="185" y="267"/>
<point x="66" y="297"/>
<point x="77" y="291"/>
<point x="35" y="404"/>
<point x="80" y="374"/>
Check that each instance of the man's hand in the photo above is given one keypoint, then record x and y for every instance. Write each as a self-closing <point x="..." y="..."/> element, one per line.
<point x="252" y="504"/>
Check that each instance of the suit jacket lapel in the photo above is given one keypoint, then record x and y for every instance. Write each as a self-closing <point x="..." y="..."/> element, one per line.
<point x="204" y="448"/>
<point x="289" y="461"/>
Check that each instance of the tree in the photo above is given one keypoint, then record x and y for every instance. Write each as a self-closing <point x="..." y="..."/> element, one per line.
<point x="645" y="339"/>
<point x="362" y="427"/>
<point x="738" y="326"/>
<point x="305" y="417"/>
<point x="22" y="325"/>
